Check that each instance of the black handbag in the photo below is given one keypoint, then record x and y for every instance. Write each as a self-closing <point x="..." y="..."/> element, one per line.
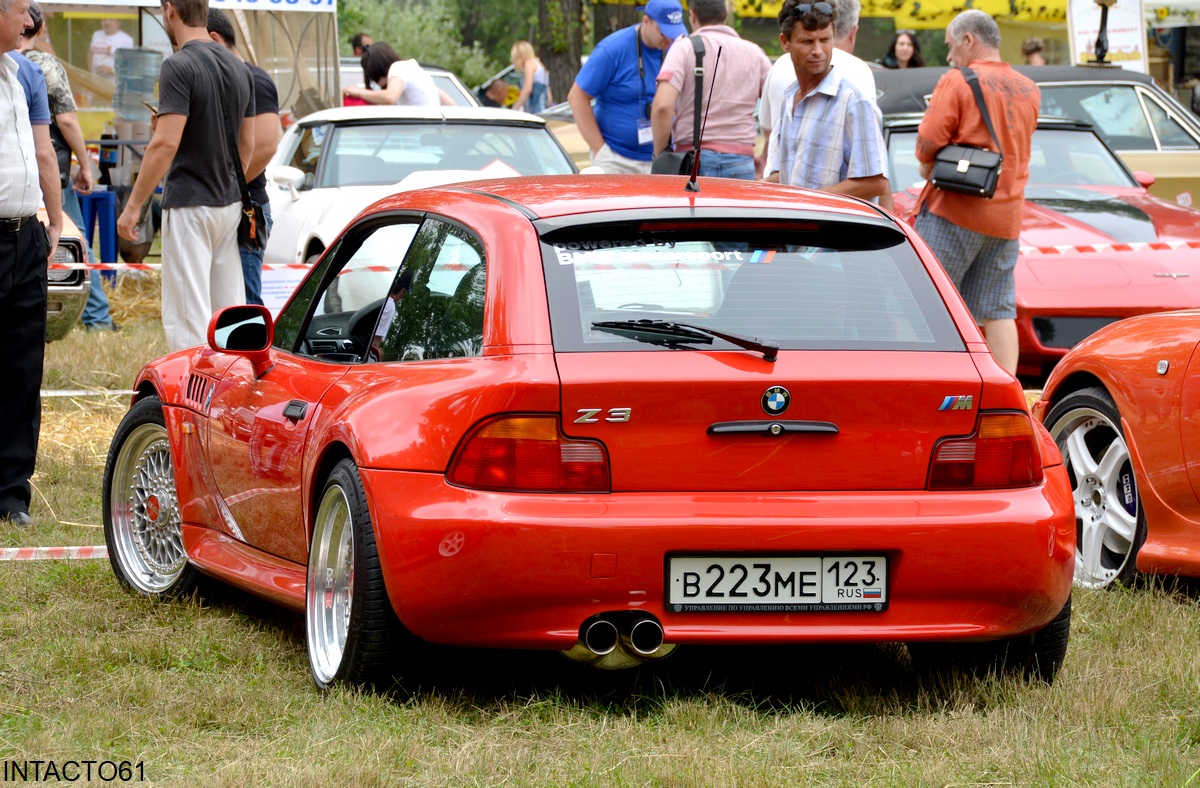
<point x="966" y="169"/>
<point x="673" y="162"/>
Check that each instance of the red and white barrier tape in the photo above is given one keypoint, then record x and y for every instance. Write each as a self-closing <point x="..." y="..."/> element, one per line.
<point x="86" y="392"/>
<point x="1158" y="246"/>
<point x="266" y="267"/>
<point x="152" y="267"/>
<point x="52" y="553"/>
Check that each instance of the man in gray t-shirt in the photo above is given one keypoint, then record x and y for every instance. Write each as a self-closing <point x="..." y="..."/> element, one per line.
<point x="203" y="91"/>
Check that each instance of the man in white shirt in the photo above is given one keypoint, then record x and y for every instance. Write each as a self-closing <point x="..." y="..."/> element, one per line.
<point x="28" y="169"/>
<point x="387" y="314"/>
<point x="853" y="70"/>
<point x="102" y="56"/>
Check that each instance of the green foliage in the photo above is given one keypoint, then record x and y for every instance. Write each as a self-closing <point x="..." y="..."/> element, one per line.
<point x="429" y="31"/>
<point x="496" y="24"/>
<point x="556" y="36"/>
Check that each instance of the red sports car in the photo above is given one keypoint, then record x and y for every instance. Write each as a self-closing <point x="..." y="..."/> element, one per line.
<point x="606" y="416"/>
<point x="1122" y="406"/>
<point x="1095" y="245"/>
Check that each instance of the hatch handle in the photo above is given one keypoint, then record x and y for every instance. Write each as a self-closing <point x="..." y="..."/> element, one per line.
<point x="773" y="428"/>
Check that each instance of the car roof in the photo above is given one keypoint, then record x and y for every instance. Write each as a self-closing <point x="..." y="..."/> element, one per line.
<point x="905" y="89"/>
<point x="445" y="113"/>
<point x="568" y="195"/>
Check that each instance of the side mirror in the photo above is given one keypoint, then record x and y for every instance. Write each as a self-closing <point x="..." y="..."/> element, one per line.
<point x="1145" y="178"/>
<point x="592" y="170"/>
<point x="245" y="330"/>
<point x="290" y="178"/>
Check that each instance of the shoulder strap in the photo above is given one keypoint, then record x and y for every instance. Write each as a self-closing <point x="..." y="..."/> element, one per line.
<point x="231" y="140"/>
<point x="973" y="81"/>
<point x="698" y="46"/>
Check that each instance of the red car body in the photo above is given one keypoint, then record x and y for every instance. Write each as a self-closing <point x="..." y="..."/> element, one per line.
<point x="1147" y="368"/>
<point x="1093" y="249"/>
<point x="530" y="568"/>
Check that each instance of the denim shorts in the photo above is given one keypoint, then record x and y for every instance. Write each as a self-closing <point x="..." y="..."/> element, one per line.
<point x="981" y="266"/>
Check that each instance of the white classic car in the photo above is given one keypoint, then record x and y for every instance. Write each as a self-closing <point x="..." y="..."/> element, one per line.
<point x="334" y="163"/>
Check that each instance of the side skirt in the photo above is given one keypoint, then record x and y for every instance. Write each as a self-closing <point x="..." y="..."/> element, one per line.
<point x="242" y="566"/>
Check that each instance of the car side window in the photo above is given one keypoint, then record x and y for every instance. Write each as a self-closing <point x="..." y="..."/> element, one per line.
<point x="344" y="297"/>
<point x="441" y="313"/>
<point x="307" y="155"/>
<point x="1171" y="133"/>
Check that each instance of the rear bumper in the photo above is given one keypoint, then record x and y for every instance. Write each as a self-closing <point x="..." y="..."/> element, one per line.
<point x="524" y="571"/>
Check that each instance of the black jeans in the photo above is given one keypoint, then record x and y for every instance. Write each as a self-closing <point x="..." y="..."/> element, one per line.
<point x="23" y="338"/>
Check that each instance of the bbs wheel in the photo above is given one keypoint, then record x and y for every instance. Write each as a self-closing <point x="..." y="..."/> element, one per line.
<point x="1109" y="524"/>
<point x="350" y="627"/>
<point x="141" y="512"/>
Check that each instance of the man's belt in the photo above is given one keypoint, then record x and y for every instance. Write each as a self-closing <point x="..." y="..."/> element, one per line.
<point x="14" y="225"/>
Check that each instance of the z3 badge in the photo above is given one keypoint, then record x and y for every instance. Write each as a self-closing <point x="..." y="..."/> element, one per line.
<point x="615" y="415"/>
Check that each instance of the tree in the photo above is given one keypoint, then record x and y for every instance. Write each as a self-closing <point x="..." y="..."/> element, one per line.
<point x="497" y="24"/>
<point x="611" y="17"/>
<point x="562" y="27"/>
<point x="428" y="30"/>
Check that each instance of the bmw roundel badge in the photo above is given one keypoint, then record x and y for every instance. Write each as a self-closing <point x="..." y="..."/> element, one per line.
<point x="776" y="400"/>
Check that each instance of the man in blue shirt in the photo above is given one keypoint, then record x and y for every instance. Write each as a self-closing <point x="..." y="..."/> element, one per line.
<point x="33" y="82"/>
<point x="622" y="75"/>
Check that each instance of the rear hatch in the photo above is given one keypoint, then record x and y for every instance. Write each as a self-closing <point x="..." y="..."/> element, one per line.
<point x="839" y="369"/>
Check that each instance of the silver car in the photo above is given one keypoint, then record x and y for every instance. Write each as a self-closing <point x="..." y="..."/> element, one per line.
<point x="68" y="287"/>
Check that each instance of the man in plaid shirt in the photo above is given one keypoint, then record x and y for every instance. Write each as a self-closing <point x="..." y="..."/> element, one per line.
<point x="826" y="136"/>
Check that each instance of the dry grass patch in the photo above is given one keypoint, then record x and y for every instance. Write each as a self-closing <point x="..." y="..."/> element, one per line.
<point x="218" y="690"/>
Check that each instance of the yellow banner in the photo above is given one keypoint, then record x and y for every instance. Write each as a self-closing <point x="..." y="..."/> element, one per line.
<point x="931" y="14"/>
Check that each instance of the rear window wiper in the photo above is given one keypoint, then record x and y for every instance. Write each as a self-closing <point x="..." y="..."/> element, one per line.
<point x="667" y="333"/>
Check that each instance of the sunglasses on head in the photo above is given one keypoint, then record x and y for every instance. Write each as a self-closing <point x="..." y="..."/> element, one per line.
<point x="804" y="9"/>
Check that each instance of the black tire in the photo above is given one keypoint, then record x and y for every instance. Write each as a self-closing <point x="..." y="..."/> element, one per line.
<point x="1110" y="526"/>
<point x="351" y="631"/>
<point x="1036" y="656"/>
<point x="141" y="510"/>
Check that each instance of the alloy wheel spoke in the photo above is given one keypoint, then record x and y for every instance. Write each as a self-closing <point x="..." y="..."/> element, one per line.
<point x="1110" y="465"/>
<point x="1120" y="522"/>
<point x="1089" y="549"/>
<point x="1078" y="454"/>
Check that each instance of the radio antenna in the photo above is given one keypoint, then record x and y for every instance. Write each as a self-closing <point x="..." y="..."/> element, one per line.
<point x="692" y="186"/>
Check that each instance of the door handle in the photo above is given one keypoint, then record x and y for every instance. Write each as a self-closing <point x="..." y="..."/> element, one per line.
<point x="295" y="410"/>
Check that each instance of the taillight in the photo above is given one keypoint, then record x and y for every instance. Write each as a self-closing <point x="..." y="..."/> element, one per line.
<point x="1003" y="452"/>
<point x="529" y="454"/>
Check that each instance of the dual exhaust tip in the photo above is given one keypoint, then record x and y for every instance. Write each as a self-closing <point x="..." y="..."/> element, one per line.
<point x="643" y="636"/>
<point x="620" y="639"/>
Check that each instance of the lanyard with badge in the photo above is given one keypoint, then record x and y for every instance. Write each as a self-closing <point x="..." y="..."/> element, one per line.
<point x="645" y="134"/>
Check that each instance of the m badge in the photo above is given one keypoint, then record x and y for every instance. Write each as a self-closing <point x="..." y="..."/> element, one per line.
<point x="957" y="403"/>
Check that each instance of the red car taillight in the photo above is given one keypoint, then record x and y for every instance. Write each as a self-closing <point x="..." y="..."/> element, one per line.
<point x="529" y="454"/>
<point x="1003" y="452"/>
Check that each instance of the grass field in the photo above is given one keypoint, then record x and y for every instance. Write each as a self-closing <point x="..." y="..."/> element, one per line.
<point x="216" y="688"/>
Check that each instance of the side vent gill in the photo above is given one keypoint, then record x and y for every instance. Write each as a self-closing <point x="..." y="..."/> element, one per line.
<point x="198" y="388"/>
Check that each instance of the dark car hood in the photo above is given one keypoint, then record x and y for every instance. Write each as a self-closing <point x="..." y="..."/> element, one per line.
<point x="1059" y="215"/>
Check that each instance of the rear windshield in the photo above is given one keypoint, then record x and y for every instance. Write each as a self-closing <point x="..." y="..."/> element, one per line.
<point x="781" y="287"/>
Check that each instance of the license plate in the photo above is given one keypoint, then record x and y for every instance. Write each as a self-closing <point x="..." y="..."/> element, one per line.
<point x="777" y="583"/>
